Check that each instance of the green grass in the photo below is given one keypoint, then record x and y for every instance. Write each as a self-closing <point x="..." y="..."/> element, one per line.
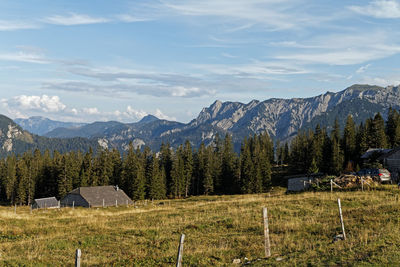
<point x="218" y="230"/>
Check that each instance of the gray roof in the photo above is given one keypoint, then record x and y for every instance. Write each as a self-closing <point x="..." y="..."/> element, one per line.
<point x="372" y="151"/>
<point x="94" y="195"/>
<point x="47" y="202"/>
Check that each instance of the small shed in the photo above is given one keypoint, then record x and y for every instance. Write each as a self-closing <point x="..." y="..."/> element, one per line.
<point x="45" y="203"/>
<point x="299" y="183"/>
<point x="96" y="196"/>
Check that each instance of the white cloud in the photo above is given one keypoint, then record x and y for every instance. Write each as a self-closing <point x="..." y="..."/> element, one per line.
<point x="74" y="19"/>
<point x="386" y="9"/>
<point x="133" y="113"/>
<point x="382" y="81"/>
<point x="129" y="18"/>
<point x="363" y="68"/>
<point x="159" y="114"/>
<point x="44" y="103"/>
<point x="21" y="56"/>
<point x="16" y="25"/>
<point x="346" y="48"/>
<point x="272" y="14"/>
<point x="91" y="111"/>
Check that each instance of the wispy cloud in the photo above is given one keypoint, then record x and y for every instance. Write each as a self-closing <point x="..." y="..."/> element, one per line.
<point x="21" y="56"/>
<point x="346" y="48"/>
<point x="16" y="25"/>
<point x="363" y="68"/>
<point x="131" y="18"/>
<point x="74" y="19"/>
<point x="121" y="90"/>
<point x="241" y="14"/>
<point x="386" y="9"/>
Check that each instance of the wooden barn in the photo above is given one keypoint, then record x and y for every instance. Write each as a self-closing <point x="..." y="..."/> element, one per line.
<point x="96" y="196"/>
<point x="45" y="203"/>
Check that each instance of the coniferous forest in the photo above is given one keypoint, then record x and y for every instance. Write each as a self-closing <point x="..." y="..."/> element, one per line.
<point x="186" y="171"/>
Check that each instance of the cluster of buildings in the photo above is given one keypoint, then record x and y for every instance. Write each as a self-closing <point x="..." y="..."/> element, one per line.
<point x="93" y="196"/>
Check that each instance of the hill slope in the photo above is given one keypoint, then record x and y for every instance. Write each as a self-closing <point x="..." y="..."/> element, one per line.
<point x="218" y="230"/>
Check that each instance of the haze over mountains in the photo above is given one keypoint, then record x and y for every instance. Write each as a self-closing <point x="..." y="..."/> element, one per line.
<point x="281" y="118"/>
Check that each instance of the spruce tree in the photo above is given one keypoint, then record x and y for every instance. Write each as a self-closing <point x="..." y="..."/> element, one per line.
<point x="177" y="185"/>
<point x="229" y="181"/>
<point x="349" y="140"/>
<point x="157" y="186"/>
<point x="188" y="166"/>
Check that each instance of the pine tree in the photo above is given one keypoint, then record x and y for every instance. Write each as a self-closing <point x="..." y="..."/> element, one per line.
<point x="116" y="163"/>
<point x="22" y="180"/>
<point x="188" y="166"/>
<point x="134" y="174"/>
<point x="349" y="140"/>
<point x="177" y="186"/>
<point x="166" y="163"/>
<point x="157" y="186"/>
<point x="11" y="178"/>
<point x="361" y="141"/>
<point x="246" y="169"/>
<point x="393" y="128"/>
<point x="376" y="132"/>
<point x="86" y="172"/>
<point x="229" y="181"/>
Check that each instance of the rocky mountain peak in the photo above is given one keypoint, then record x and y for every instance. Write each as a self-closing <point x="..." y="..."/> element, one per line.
<point x="148" y="118"/>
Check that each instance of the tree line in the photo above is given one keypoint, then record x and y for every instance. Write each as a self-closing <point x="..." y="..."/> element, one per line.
<point x="141" y="173"/>
<point x="337" y="151"/>
<point x="186" y="171"/>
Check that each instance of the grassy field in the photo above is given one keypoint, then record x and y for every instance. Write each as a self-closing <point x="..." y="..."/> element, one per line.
<point x="218" y="230"/>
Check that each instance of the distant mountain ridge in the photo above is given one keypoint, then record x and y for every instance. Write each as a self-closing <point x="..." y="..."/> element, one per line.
<point x="281" y="118"/>
<point x="40" y="125"/>
<point x="13" y="139"/>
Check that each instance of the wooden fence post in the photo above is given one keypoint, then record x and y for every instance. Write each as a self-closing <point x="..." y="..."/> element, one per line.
<point x="331" y="186"/>
<point x="78" y="258"/>
<point x="73" y="204"/>
<point x="180" y="251"/>
<point x="59" y="204"/>
<point x="362" y="184"/>
<point x="266" y="234"/>
<point x="116" y="203"/>
<point x="15" y="209"/>
<point x="341" y="219"/>
<point x="103" y="202"/>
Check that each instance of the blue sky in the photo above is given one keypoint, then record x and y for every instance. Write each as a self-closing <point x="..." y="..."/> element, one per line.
<point x="120" y="60"/>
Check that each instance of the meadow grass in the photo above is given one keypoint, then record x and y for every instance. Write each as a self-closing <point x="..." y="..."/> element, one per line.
<point x="218" y="230"/>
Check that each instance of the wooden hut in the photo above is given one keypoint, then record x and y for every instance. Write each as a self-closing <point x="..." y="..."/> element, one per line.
<point x="45" y="203"/>
<point x="96" y="196"/>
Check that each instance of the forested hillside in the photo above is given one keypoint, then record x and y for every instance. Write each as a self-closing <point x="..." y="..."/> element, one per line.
<point x="214" y="169"/>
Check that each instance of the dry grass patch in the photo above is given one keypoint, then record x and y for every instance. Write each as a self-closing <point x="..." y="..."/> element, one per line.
<point x="218" y="229"/>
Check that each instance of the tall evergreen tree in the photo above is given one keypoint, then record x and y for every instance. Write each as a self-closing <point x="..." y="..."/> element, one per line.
<point x="188" y="166"/>
<point x="229" y="181"/>
<point x="177" y="186"/>
<point x="157" y="186"/>
<point x="349" y="140"/>
<point x="166" y="163"/>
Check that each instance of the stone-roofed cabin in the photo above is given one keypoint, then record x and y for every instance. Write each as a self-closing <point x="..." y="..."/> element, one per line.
<point x="45" y="203"/>
<point x="96" y="196"/>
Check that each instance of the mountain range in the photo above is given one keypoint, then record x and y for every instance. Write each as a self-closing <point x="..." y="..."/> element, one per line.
<point x="281" y="118"/>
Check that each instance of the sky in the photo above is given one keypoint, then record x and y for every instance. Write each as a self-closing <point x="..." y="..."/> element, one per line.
<point x="86" y="61"/>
